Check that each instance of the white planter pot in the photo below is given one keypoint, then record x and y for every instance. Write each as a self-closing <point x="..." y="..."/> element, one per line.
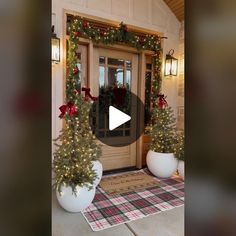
<point x="162" y="165"/>
<point x="181" y="169"/>
<point x="97" y="167"/>
<point x="75" y="203"/>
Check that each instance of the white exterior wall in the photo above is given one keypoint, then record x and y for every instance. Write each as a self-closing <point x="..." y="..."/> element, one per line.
<point x="180" y="116"/>
<point x="148" y="14"/>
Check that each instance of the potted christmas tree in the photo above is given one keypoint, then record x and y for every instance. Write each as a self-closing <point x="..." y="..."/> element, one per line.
<point x="75" y="156"/>
<point x="75" y="165"/>
<point x="161" y="160"/>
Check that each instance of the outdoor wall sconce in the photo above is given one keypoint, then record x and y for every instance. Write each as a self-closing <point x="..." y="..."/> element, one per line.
<point x="55" y="47"/>
<point x="171" y="65"/>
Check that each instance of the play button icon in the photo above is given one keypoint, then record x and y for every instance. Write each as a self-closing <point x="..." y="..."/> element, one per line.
<point x="117" y="118"/>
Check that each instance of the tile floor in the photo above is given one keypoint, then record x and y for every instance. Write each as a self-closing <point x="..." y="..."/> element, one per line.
<point x="168" y="223"/>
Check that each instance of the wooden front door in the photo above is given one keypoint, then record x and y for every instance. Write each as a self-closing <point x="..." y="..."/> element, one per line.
<point x="115" y="68"/>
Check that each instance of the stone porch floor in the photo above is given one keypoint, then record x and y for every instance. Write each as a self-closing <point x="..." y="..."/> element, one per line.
<point x="168" y="223"/>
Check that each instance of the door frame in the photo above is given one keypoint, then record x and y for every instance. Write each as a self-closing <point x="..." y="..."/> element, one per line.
<point x="141" y="62"/>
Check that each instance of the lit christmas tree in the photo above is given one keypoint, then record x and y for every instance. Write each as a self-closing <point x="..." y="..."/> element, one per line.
<point x="76" y="147"/>
<point x="179" y="146"/>
<point x="163" y="128"/>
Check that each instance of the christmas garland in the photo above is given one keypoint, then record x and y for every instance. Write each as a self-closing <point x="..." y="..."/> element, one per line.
<point x="77" y="147"/>
<point x="80" y="27"/>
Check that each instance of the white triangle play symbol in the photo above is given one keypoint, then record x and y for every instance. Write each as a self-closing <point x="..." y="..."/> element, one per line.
<point x="117" y="118"/>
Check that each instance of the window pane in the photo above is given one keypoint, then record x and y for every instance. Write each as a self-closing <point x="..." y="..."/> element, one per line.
<point x="79" y="66"/>
<point x="78" y="55"/>
<point x="120" y="77"/>
<point x="127" y="133"/>
<point x="127" y="124"/>
<point x="101" y="121"/>
<point x="101" y="134"/>
<point x="115" y="76"/>
<point x="114" y="133"/>
<point x="116" y="62"/>
<point x="148" y="66"/>
<point x="101" y="76"/>
<point x="101" y="60"/>
<point x="147" y="115"/>
<point x="128" y="64"/>
<point x="78" y="78"/>
<point x="128" y="79"/>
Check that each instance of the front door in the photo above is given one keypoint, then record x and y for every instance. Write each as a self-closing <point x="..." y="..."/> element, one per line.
<point x="112" y="68"/>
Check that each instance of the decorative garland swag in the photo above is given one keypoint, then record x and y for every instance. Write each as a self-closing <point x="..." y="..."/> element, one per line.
<point x="82" y="28"/>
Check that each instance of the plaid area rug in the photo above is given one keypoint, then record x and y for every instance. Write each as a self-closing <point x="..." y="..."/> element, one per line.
<point x="107" y="211"/>
<point x="128" y="182"/>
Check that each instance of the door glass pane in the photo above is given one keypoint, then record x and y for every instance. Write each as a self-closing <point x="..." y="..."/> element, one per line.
<point x="81" y="63"/>
<point x="113" y="72"/>
<point x="101" y="76"/>
<point x="148" y="66"/>
<point x="127" y="133"/>
<point x="115" y="77"/>
<point x="101" y="121"/>
<point x="78" y="77"/>
<point x="128" y="79"/>
<point x="114" y="133"/>
<point x="101" y="60"/>
<point x="127" y="124"/>
<point x="115" y="62"/>
<point x="128" y="64"/>
<point x="78" y="64"/>
<point x="147" y="115"/>
<point x="120" y="77"/>
<point x="101" y="134"/>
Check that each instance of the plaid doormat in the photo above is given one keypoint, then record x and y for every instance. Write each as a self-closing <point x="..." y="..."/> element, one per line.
<point x="107" y="211"/>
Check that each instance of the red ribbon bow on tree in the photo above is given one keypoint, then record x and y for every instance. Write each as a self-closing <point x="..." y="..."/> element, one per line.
<point x="76" y="70"/>
<point x="162" y="102"/>
<point x="88" y="95"/>
<point x="64" y="108"/>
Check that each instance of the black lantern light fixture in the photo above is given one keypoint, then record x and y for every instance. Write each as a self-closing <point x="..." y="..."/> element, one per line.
<point x="171" y="65"/>
<point x="55" y="47"/>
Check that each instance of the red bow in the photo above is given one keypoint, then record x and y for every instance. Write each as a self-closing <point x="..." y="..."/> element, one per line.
<point x="88" y="95"/>
<point x="162" y="102"/>
<point x="76" y="70"/>
<point x="63" y="109"/>
<point x="77" y="34"/>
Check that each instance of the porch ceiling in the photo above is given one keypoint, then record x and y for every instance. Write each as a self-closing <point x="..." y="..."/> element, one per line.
<point x="177" y="7"/>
